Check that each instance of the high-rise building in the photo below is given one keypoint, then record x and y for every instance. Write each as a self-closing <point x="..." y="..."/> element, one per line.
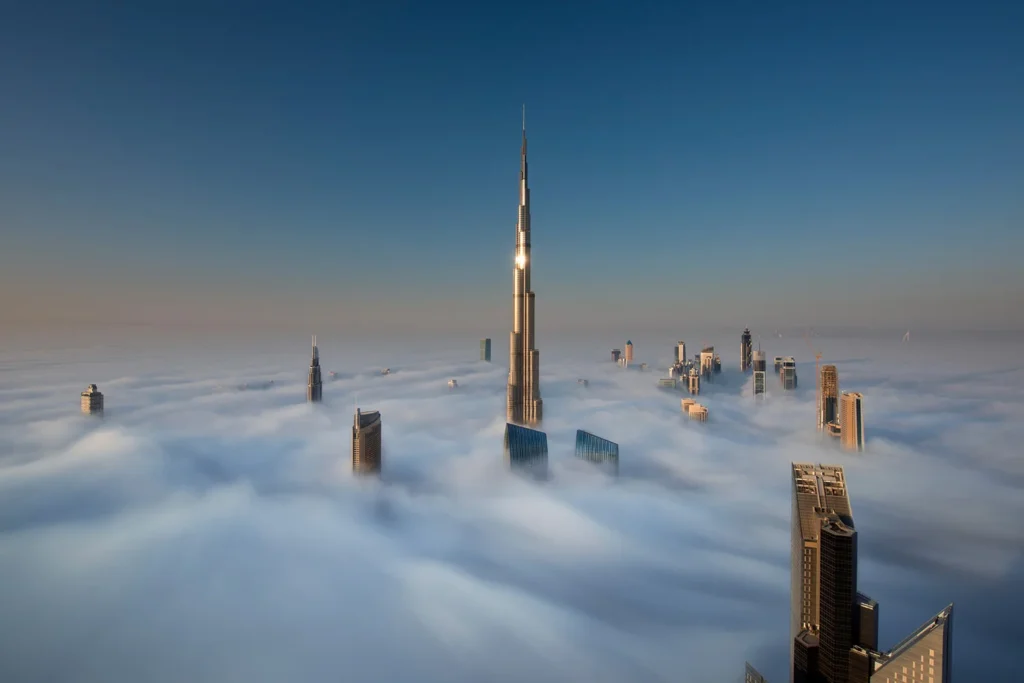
<point x="746" y="350"/>
<point x="760" y="366"/>
<point x="865" y="622"/>
<point x="828" y="408"/>
<point x="524" y="404"/>
<point x="615" y="355"/>
<point x="485" y="350"/>
<point x="92" y="401"/>
<point x="314" y="383"/>
<point x="593" y="448"/>
<point x="526" y="450"/>
<point x="707" y="361"/>
<point x="752" y="675"/>
<point x="693" y="382"/>
<point x="366" y="442"/>
<point x="787" y="374"/>
<point x="759" y="362"/>
<point x="759" y="383"/>
<point x="818" y="493"/>
<point x="698" y="412"/>
<point x="925" y="656"/>
<point x="629" y="351"/>
<point x="851" y="420"/>
<point x="778" y="364"/>
<point x="680" y="351"/>
<point x="836" y="596"/>
<point x="716" y="364"/>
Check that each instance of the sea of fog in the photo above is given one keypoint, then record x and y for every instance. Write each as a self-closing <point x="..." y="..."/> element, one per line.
<point x="208" y="528"/>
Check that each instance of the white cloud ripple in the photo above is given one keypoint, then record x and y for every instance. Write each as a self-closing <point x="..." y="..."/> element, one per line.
<point x="201" y="532"/>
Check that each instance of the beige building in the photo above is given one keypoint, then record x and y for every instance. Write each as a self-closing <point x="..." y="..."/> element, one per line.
<point x="922" y="657"/>
<point x="693" y="382"/>
<point x="629" y="351"/>
<point x="698" y="413"/>
<point x="366" y="442"/>
<point x="851" y="420"/>
<point x="828" y="396"/>
<point x="685" y="405"/>
<point x="92" y="401"/>
<point x="819" y="491"/>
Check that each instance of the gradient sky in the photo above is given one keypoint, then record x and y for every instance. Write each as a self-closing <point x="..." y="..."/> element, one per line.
<point x="354" y="164"/>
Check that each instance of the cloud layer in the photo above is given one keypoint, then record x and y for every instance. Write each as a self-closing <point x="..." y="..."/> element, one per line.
<point x="207" y="533"/>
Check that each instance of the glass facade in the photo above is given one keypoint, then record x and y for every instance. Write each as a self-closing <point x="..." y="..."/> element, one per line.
<point x="485" y="350"/>
<point x="594" y="449"/>
<point x="526" y="449"/>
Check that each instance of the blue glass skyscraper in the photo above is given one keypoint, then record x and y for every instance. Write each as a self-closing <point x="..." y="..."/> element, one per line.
<point x="526" y="449"/>
<point x="597" y="450"/>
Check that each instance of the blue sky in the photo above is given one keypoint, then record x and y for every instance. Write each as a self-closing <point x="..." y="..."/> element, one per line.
<point x="729" y="161"/>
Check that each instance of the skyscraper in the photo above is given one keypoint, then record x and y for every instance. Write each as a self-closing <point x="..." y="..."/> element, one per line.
<point x="366" y="442"/>
<point x="818" y="493"/>
<point x="92" y="401"/>
<point x="629" y="351"/>
<point x="787" y="374"/>
<point x="837" y="594"/>
<point x="680" y="351"/>
<point x="485" y="350"/>
<point x="925" y="656"/>
<point x="828" y="409"/>
<point x="526" y="450"/>
<point x="523" y="401"/>
<point x="615" y="355"/>
<point x="760" y="366"/>
<point x="593" y="448"/>
<point x="851" y="421"/>
<point x="314" y="384"/>
<point x="746" y="350"/>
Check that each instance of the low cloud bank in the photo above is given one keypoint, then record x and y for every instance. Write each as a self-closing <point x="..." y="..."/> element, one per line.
<point x="198" y="533"/>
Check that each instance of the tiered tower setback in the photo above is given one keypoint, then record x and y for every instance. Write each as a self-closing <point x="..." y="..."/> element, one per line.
<point x="524" y="404"/>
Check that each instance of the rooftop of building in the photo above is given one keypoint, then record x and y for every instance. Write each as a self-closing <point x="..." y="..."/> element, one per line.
<point x="941" y="620"/>
<point x="365" y="419"/>
<point x="853" y="394"/>
<point x="820" y="490"/>
<point x="91" y="389"/>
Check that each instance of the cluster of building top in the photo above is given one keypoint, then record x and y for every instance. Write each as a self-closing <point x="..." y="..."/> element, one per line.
<point x="526" y="451"/>
<point x="833" y="627"/>
<point x="839" y="414"/>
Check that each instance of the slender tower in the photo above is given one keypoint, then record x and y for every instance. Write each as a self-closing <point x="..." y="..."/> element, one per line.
<point x="315" y="386"/>
<point x="524" y="403"/>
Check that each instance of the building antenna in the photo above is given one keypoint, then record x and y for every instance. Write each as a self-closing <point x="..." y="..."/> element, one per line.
<point x="524" y="119"/>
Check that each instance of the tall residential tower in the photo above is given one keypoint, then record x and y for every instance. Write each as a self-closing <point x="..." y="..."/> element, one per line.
<point x="314" y="385"/>
<point x="524" y="402"/>
<point x="828" y="408"/>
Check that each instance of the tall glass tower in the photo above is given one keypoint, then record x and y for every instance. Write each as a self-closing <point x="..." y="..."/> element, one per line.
<point x="524" y="403"/>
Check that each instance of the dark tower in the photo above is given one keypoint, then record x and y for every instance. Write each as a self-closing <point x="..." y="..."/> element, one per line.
<point x="837" y="598"/>
<point x="314" y="385"/>
<point x="746" y="350"/>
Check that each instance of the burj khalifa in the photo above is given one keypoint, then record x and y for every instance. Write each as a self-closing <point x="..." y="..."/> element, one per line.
<point x="524" y="402"/>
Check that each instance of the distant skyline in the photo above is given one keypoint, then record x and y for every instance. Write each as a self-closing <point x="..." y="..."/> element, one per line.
<point x="730" y="164"/>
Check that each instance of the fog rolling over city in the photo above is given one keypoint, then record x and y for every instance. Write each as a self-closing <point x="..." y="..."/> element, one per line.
<point x="198" y="531"/>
